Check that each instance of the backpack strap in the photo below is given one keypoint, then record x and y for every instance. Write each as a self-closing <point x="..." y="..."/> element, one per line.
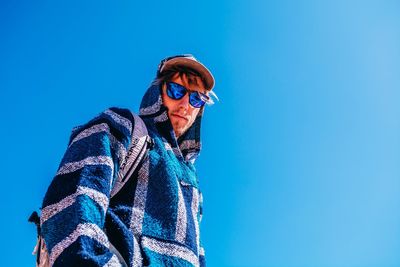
<point x="40" y="250"/>
<point x="140" y="143"/>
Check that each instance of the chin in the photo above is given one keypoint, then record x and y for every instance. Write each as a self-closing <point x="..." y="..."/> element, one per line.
<point x="179" y="132"/>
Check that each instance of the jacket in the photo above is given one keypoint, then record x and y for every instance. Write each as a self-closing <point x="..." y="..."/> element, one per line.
<point x="154" y="220"/>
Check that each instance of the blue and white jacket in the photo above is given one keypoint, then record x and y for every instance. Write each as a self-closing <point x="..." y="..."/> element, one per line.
<point x="154" y="219"/>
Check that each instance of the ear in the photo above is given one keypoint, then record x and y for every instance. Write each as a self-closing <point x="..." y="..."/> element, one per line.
<point x="163" y="88"/>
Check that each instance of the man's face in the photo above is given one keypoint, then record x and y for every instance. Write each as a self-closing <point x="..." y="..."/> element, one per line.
<point x="180" y="112"/>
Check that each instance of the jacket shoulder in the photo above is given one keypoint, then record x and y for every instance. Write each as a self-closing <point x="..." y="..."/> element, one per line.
<point x="119" y="121"/>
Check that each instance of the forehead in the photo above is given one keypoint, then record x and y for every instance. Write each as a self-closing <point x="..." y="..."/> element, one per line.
<point x="191" y="82"/>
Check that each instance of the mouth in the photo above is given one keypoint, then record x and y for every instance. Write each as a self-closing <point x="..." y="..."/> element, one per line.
<point x="179" y="117"/>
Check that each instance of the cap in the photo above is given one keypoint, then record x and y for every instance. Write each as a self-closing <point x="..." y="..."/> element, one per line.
<point x="187" y="60"/>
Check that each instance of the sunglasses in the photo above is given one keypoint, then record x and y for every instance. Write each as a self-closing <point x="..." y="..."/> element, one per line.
<point x="177" y="91"/>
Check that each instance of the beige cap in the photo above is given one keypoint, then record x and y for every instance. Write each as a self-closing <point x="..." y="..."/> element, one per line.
<point x="187" y="60"/>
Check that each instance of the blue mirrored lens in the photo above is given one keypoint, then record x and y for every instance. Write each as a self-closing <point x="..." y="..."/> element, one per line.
<point x="175" y="91"/>
<point x="195" y="100"/>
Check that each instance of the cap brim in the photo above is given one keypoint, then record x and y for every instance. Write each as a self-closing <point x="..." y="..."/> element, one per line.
<point x="192" y="64"/>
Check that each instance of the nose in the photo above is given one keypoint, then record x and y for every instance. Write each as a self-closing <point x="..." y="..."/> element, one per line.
<point x="184" y="102"/>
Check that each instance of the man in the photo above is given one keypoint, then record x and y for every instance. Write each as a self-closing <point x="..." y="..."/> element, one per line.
<point x="154" y="219"/>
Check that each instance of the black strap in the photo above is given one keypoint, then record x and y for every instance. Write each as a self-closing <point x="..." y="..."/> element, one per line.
<point x="140" y="144"/>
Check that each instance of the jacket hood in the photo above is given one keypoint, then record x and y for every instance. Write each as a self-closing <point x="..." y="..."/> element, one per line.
<point x="155" y="115"/>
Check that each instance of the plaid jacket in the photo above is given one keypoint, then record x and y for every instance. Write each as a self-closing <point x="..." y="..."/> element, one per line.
<point x="154" y="220"/>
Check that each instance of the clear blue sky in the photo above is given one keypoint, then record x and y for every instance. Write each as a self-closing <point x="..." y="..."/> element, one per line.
<point x="301" y="157"/>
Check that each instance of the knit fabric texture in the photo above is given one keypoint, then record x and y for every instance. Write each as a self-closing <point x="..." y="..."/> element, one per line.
<point x="154" y="220"/>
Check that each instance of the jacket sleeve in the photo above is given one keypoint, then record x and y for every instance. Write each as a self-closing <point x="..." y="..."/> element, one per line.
<point x="73" y="214"/>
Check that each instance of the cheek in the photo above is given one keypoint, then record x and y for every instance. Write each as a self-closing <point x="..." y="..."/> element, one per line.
<point x="166" y="102"/>
<point x="194" y="115"/>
